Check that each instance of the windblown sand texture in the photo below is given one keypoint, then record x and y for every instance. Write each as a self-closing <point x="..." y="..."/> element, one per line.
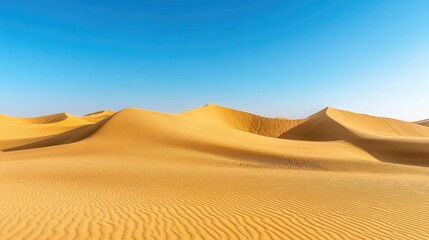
<point x="213" y="173"/>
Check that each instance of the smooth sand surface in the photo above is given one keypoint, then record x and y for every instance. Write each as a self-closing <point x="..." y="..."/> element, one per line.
<point x="213" y="173"/>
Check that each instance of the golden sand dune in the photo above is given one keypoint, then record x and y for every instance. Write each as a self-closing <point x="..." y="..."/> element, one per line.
<point x="218" y="173"/>
<point x="272" y="127"/>
<point x="384" y="138"/>
<point x="334" y="124"/>
<point x="16" y="132"/>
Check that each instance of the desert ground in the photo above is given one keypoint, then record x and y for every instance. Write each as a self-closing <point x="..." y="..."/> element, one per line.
<point x="213" y="173"/>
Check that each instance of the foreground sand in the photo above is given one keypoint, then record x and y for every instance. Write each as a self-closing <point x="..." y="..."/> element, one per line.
<point x="213" y="173"/>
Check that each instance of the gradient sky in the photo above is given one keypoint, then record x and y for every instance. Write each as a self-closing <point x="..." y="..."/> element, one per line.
<point x="273" y="58"/>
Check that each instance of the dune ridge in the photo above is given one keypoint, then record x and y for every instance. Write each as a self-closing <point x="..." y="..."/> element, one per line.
<point x="59" y="118"/>
<point x="97" y="116"/>
<point x="214" y="173"/>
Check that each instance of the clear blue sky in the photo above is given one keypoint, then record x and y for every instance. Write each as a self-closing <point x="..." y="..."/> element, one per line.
<point x="274" y="58"/>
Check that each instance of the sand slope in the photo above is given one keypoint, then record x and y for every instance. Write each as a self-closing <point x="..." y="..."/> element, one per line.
<point x="424" y="122"/>
<point x="218" y="173"/>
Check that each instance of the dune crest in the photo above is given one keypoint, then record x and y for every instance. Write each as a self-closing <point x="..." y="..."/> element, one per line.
<point x="97" y="116"/>
<point x="63" y="118"/>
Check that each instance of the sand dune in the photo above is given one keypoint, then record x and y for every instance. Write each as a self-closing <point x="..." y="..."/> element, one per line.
<point x="16" y="132"/>
<point x="334" y="124"/>
<point x="213" y="173"/>
<point x="60" y="118"/>
<point x="61" y="138"/>
<point x="424" y="122"/>
<point x="384" y="138"/>
<point x="272" y="127"/>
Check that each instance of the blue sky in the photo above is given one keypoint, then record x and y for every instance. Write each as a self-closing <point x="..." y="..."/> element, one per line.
<point x="273" y="58"/>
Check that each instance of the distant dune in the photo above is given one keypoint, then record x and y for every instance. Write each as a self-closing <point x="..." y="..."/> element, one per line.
<point x="271" y="127"/>
<point x="213" y="173"/>
<point x="19" y="132"/>
<point x="424" y="122"/>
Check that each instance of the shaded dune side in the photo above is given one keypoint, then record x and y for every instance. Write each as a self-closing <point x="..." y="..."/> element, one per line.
<point x="21" y="131"/>
<point x="423" y="122"/>
<point x="67" y="137"/>
<point x="271" y="127"/>
<point x="18" y="131"/>
<point x="319" y="127"/>
<point x="333" y="124"/>
<point x="403" y="151"/>
<point x="386" y="139"/>
<point x="377" y="125"/>
<point x="33" y="132"/>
